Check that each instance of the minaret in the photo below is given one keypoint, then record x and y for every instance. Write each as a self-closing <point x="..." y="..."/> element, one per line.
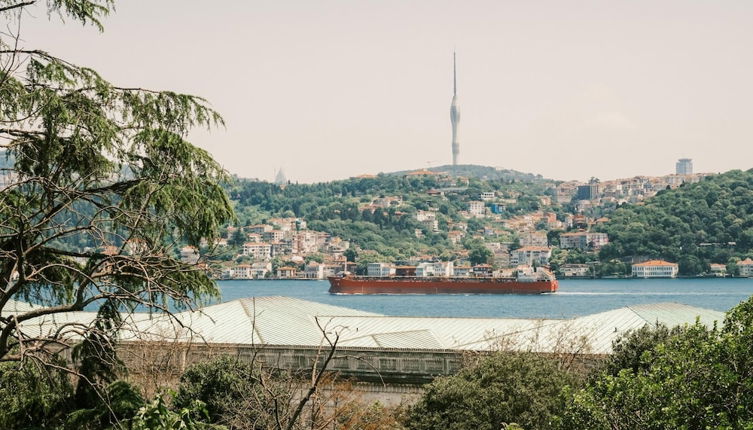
<point x="454" y="114"/>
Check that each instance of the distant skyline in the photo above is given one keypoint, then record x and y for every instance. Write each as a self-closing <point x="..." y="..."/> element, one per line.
<point x="333" y="89"/>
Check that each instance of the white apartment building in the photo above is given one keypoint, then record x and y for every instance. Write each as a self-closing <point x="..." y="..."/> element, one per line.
<point x="461" y="271"/>
<point x="422" y="216"/>
<point x="439" y="268"/>
<point x="380" y="269"/>
<point x="273" y="235"/>
<point x="583" y="240"/>
<point x="655" y="269"/>
<point x="241" y="271"/>
<point x="476" y="208"/>
<point x="487" y="195"/>
<point x="529" y="255"/>
<point x="258" y="250"/>
<point x="314" y="270"/>
<point x="260" y="270"/>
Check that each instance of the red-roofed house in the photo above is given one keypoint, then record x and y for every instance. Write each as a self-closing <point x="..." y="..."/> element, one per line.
<point x="746" y="268"/>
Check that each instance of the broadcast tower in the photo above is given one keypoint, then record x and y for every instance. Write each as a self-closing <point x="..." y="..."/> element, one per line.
<point x="454" y="114"/>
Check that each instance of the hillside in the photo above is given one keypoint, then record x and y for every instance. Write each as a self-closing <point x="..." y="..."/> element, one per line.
<point x="694" y="225"/>
<point x="481" y="172"/>
<point x="379" y="213"/>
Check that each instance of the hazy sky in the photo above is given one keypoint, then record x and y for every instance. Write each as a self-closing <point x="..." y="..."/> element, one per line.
<point x="331" y="89"/>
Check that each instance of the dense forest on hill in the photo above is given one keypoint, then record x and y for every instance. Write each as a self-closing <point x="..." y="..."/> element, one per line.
<point x="694" y="225"/>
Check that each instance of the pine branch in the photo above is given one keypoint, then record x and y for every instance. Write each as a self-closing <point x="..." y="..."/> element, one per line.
<point x="16" y="6"/>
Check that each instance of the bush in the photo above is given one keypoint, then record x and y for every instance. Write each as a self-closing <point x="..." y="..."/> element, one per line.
<point x="218" y="384"/>
<point x="692" y="378"/>
<point x="498" y="390"/>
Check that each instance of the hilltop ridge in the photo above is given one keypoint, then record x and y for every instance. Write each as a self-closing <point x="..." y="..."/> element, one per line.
<point x="478" y="172"/>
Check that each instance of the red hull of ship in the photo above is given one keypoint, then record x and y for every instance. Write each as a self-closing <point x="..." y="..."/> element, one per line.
<point x="438" y="286"/>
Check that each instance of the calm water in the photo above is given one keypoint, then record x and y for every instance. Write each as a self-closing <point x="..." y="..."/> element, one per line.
<point x="574" y="298"/>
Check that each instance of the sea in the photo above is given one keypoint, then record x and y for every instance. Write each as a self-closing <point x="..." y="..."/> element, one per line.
<point x="574" y="298"/>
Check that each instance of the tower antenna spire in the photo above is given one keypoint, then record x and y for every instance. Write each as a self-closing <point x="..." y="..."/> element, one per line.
<point x="454" y="76"/>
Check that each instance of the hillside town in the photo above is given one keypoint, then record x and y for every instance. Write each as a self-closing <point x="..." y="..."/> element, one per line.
<point x="482" y="239"/>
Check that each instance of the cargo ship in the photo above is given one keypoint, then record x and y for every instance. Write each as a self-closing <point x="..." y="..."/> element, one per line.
<point x="538" y="283"/>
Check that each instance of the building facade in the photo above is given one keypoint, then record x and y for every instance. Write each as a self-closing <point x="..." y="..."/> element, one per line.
<point x="380" y="269"/>
<point x="684" y="166"/>
<point x="655" y="269"/>
<point x="583" y="240"/>
<point x="746" y="268"/>
<point x="530" y="255"/>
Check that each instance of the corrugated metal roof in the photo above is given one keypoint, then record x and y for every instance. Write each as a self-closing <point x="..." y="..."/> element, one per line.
<point x="296" y="322"/>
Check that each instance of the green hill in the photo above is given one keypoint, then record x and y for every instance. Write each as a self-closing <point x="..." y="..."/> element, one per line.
<point x="480" y="172"/>
<point x="694" y="225"/>
<point x="354" y="209"/>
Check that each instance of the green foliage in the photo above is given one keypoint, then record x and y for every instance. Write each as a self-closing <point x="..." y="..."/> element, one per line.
<point x="480" y="255"/>
<point x="500" y="389"/>
<point x="693" y="225"/>
<point x="338" y="207"/>
<point x="104" y="188"/>
<point x="693" y="378"/>
<point x="119" y="403"/>
<point x="157" y="415"/>
<point x="33" y="396"/>
<point x="217" y="383"/>
<point x="483" y="172"/>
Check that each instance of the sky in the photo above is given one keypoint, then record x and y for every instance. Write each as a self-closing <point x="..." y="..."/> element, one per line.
<point x="331" y="89"/>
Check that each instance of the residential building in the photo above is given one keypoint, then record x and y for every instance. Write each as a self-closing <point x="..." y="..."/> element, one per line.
<point x="439" y="268"/>
<point x="482" y="271"/>
<point x="718" y="270"/>
<point x="455" y="236"/>
<point x="565" y="192"/>
<point x="532" y="238"/>
<point x="587" y="192"/>
<point x="282" y="248"/>
<point x="258" y="250"/>
<point x="461" y="271"/>
<point x="189" y="254"/>
<point x="575" y="270"/>
<point x="405" y="271"/>
<point x="684" y="166"/>
<point x="746" y="268"/>
<point x="583" y="240"/>
<point x="287" y="272"/>
<point x="314" y="270"/>
<point x="422" y="216"/>
<point x="273" y="235"/>
<point x="380" y="269"/>
<point x="655" y="269"/>
<point x="260" y="228"/>
<point x="260" y="270"/>
<point x="431" y="225"/>
<point x="487" y="195"/>
<point x="241" y="271"/>
<point x="476" y="208"/>
<point x="501" y="258"/>
<point x="253" y="237"/>
<point x="530" y="255"/>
